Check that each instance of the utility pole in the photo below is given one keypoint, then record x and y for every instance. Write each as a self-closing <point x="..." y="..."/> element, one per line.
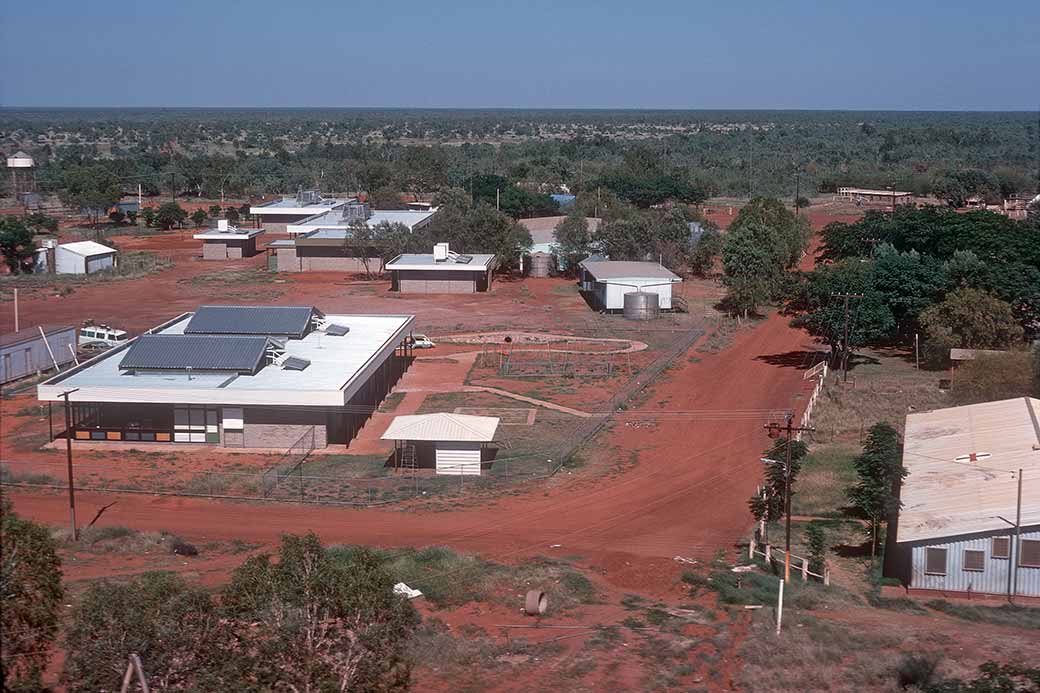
<point x="790" y="429"/>
<point x="845" y="338"/>
<point x="1015" y="553"/>
<point x="16" y="326"/>
<point x="68" y="458"/>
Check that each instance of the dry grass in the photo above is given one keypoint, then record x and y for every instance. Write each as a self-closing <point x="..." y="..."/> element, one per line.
<point x="882" y="387"/>
<point x="826" y="472"/>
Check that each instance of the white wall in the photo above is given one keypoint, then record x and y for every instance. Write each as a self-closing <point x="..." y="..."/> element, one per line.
<point x="613" y="295"/>
<point x="68" y="262"/>
<point x="458" y="458"/>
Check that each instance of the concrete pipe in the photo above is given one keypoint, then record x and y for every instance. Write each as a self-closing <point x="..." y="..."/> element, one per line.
<point x="536" y="603"/>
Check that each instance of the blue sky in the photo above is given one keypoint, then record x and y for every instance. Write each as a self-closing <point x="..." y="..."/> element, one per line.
<point x="886" y="54"/>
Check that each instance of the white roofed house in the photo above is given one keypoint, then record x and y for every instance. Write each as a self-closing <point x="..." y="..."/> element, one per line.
<point x="239" y="376"/>
<point x="607" y="281"/>
<point x="455" y="444"/>
<point x="956" y="532"/>
<point x="275" y="215"/>
<point x="442" y="272"/>
<point x="228" y="242"/>
<point x="83" y="257"/>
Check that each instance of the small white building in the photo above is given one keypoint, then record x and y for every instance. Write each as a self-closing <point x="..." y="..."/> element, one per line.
<point x="228" y="242"/>
<point x="83" y="257"/>
<point x="450" y="443"/>
<point x="441" y="272"/>
<point x="608" y="281"/>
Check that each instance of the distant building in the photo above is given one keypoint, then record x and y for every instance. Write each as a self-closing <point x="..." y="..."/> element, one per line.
<point x="441" y="272"/>
<point x="30" y="351"/>
<point x="608" y="281"/>
<point x="227" y="242"/>
<point x="871" y="196"/>
<point x="543" y="240"/>
<point x="277" y="214"/>
<point x="344" y="216"/>
<point x="955" y="534"/>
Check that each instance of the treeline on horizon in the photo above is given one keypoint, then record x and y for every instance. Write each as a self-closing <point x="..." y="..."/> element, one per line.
<point x="249" y="152"/>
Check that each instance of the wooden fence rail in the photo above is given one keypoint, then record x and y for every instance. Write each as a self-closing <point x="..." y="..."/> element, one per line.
<point x="768" y="552"/>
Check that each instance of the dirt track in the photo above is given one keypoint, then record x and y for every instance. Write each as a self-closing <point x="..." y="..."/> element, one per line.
<point x="685" y="495"/>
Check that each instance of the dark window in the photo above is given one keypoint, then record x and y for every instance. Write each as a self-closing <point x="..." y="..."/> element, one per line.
<point x="1030" y="554"/>
<point x="1001" y="547"/>
<point x="935" y="561"/>
<point x="974" y="559"/>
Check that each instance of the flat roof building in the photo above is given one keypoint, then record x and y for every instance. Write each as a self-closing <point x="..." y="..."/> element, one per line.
<point x="276" y="214"/>
<point x="227" y="242"/>
<point x="80" y="257"/>
<point x="607" y="281"/>
<point x="239" y="376"/>
<point x="955" y="531"/>
<point x="342" y="217"/>
<point x="441" y="272"/>
<point x="325" y="250"/>
<point x="868" y="195"/>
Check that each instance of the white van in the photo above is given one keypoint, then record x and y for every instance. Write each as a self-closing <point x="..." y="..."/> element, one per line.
<point x="101" y="337"/>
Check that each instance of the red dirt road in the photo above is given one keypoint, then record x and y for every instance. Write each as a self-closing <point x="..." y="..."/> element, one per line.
<point x="684" y="496"/>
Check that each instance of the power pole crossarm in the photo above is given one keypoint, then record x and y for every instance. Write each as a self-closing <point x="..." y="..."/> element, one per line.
<point x="775" y="429"/>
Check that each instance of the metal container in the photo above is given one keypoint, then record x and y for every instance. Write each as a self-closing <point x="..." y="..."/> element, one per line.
<point x="641" y="305"/>
<point x="541" y="264"/>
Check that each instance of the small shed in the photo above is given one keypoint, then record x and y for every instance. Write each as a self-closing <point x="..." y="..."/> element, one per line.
<point x="455" y="444"/>
<point x="227" y="242"/>
<point x="441" y="272"/>
<point x="607" y="282"/>
<point x="83" y="257"/>
<point x="32" y="350"/>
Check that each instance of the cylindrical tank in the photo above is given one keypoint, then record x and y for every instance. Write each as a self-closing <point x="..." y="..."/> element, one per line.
<point x="641" y="305"/>
<point x="541" y="264"/>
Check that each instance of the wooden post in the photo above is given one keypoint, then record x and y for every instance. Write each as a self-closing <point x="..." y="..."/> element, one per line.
<point x="751" y="549"/>
<point x="826" y="576"/>
<point x="779" y="608"/>
<point x="769" y="553"/>
<point x="805" y="570"/>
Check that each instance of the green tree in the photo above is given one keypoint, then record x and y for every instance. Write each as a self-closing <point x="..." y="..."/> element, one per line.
<point x="42" y="223"/>
<point x="385" y="198"/>
<point x="753" y="264"/>
<point x="769" y="505"/>
<point x="969" y="319"/>
<point x="199" y="217"/>
<point x="455" y="198"/>
<point x="485" y="230"/>
<point x="306" y="622"/>
<point x="148" y="214"/>
<point x="232" y="215"/>
<point x="93" y="188"/>
<point x="172" y="625"/>
<point x="117" y="216"/>
<point x="791" y="233"/>
<point x="214" y="212"/>
<point x="705" y="252"/>
<point x="816" y="538"/>
<point x="30" y="582"/>
<point x="170" y="214"/>
<point x="573" y="240"/>
<point x="16" y="244"/>
<point x="879" y="468"/>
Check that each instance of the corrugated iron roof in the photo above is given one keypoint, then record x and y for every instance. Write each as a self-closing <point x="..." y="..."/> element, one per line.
<point x="198" y="352"/>
<point x="87" y="248"/>
<point x="963" y="464"/>
<point x="290" y="321"/>
<point x="624" y="269"/>
<point x="443" y="426"/>
<point x="29" y="333"/>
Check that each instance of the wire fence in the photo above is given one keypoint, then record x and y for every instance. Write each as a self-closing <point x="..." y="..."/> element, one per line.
<point x="344" y="486"/>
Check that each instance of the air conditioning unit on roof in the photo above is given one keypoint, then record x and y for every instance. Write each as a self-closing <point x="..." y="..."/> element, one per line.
<point x="440" y="252"/>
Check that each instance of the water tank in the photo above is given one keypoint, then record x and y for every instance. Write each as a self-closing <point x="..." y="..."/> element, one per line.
<point x="19" y="160"/>
<point x="641" y="305"/>
<point x="541" y="264"/>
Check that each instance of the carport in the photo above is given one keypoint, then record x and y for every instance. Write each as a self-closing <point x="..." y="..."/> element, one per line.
<point x="455" y="444"/>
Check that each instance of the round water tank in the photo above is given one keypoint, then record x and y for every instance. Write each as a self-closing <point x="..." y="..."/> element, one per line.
<point x="641" y="305"/>
<point x="541" y="264"/>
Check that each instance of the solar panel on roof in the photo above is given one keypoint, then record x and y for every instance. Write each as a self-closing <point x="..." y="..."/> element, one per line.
<point x="291" y="321"/>
<point x="295" y="363"/>
<point x="336" y="330"/>
<point x="197" y="352"/>
<point x="464" y="259"/>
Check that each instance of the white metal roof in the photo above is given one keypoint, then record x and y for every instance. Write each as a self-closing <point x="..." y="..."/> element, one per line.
<point x="963" y="464"/>
<point x="339" y="367"/>
<point x="87" y="248"/>
<point x="239" y="234"/>
<point x="871" y="191"/>
<point x="290" y="205"/>
<point x="333" y="219"/>
<point x="614" y="270"/>
<point x="407" y="261"/>
<point x="443" y="426"/>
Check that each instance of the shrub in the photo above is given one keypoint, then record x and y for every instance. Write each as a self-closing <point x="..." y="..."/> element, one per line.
<point x="916" y="670"/>
<point x="183" y="548"/>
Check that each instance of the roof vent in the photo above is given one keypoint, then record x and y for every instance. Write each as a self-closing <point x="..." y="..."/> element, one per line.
<point x="334" y="330"/>
<point x="308" y="197"/>
<point x="295" y="363"/>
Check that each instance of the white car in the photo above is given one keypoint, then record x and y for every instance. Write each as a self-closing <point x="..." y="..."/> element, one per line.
<point x="421" y="341"/>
